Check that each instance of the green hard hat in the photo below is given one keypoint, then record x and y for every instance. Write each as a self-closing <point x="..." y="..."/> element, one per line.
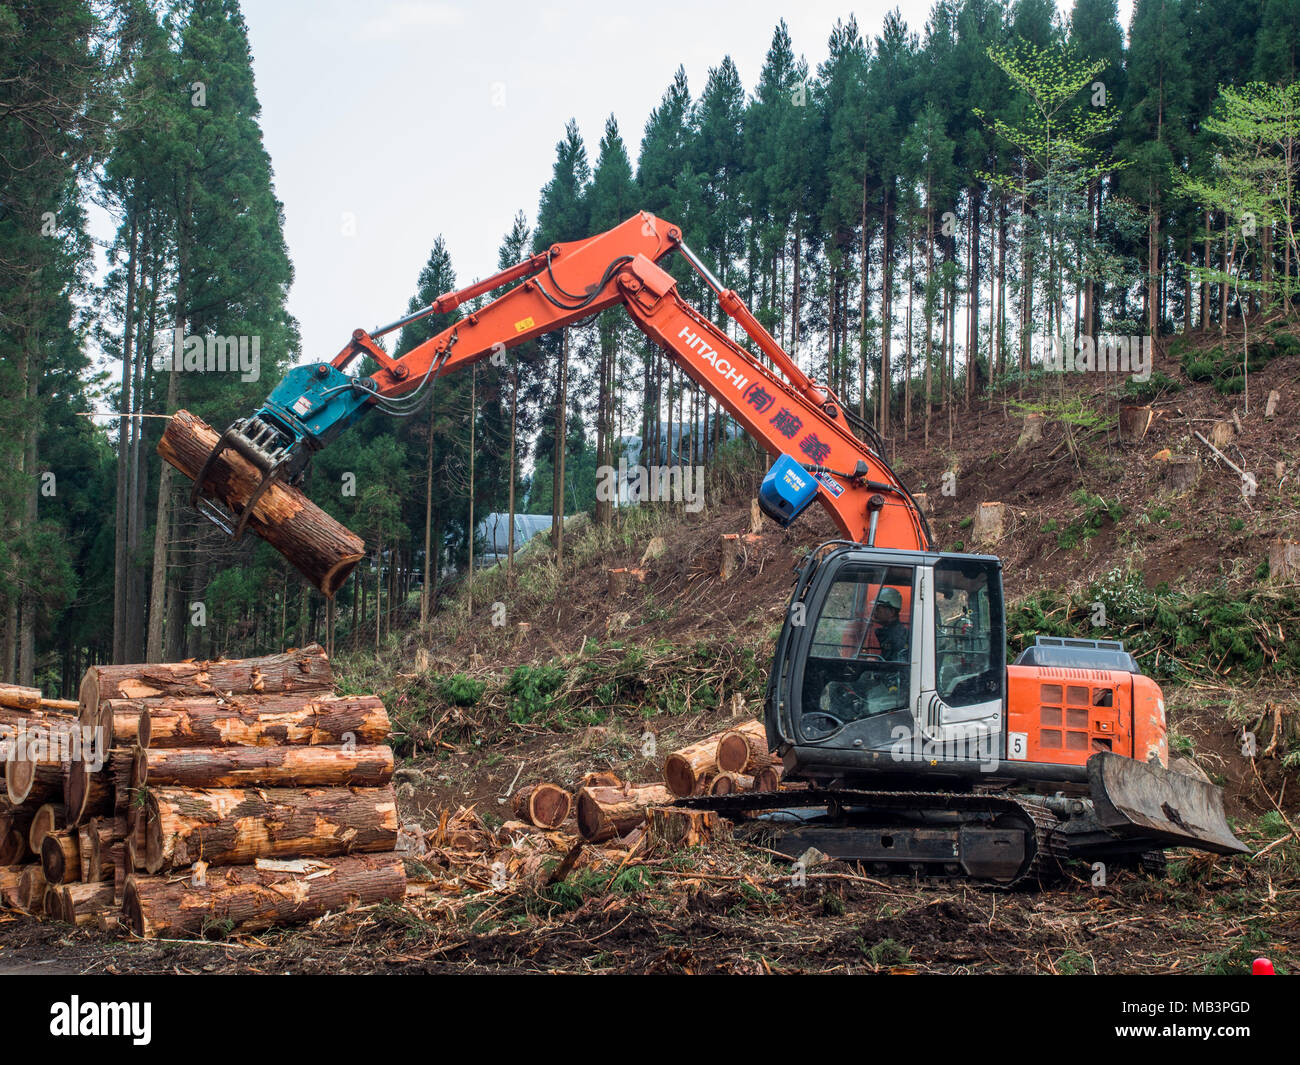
<point x="890" y="597"/>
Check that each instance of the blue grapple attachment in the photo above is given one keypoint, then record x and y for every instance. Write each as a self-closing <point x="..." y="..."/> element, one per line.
<point x="308" y="408"/>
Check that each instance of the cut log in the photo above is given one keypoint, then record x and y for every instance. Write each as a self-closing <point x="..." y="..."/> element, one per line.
<point x="730" y="783"/>
<point x="13" y="846"/>
<point x="117" y="852"/>
<point x="234" y="826"/>
<point x="29" y="780"/>
<point x="314" y="718"/>
<point x="315" y="544"/>
<point x="768" y="777"/>
<point x="669" y="829"/>
<point x="48" y="818"/>
<point x="103" y="854"/>
<point x="604" y="813"/>
<point x="743" y="749"/>
<point x="685" y="770"/>
<point x="17" y="697"/>
<point x="61" y="857"/>
<point x="542" y="804"/>
<point x="10" y="877"/>
<point x="31" y="888"/>
<point x="244" y="899"/>
<point x="87" y="792"/>
<point x="84" y="903"/>
<point x="307" y="669"/>
<point x="368" y="766"/>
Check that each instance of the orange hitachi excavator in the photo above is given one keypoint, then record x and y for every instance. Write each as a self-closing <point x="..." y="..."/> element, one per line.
<point x="889" y="694"/>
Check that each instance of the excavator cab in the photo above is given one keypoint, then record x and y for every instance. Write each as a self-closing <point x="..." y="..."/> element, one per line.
<point x="895" y="655"/>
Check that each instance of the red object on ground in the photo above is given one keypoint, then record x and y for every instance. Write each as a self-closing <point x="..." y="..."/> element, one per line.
<point x="1262" y="967"/>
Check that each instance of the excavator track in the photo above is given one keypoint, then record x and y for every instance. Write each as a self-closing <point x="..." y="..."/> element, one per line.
<point x="1006" y="841"/>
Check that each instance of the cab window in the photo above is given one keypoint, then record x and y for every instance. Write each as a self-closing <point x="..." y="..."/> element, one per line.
<point x="969" y="637"/>
<point x="859" y="662"/>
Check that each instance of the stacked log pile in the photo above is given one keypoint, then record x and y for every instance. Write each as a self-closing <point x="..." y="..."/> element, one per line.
<point x="234" y="795"/>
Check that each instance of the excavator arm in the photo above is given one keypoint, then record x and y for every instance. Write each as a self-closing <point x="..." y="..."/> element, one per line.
<point x="800" y="422"/>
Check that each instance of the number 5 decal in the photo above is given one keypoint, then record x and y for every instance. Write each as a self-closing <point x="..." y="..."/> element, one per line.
<point x="1018" y="745"/>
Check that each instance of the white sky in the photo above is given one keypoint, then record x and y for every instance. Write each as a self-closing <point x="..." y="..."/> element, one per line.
<point x="385" y="110"/>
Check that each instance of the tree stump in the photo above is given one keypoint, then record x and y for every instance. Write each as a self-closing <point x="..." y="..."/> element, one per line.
<point x="923" y="503"/>
<point x="1031" y="432"/>
<point x="1134" y="422"/>
<point x="1181" y="472"/>
<point x="755" y="518"/>
<point x="669" y="829"/>
<point x="731" y="558"/>
<point x="1274" y="398"/>
<point x="1284" y="561"/>
<point x="1221" y="433"/>
<point x="989" y="522"/>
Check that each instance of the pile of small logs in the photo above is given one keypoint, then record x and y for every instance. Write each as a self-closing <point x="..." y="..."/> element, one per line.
<point x="191" y="796"/>
<point x="605" y="808"/>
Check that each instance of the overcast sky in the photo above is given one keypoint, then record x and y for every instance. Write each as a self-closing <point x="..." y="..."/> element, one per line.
<point x="404" y="119"/>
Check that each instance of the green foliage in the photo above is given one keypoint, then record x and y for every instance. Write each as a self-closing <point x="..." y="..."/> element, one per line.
<point x="1096" y="512"/>
<point x="460" y="690"/>
<point x="531" y="690"/>
<point x="1175" y="634"/>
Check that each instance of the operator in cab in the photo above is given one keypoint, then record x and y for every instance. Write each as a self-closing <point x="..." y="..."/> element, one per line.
<point x="891" y="635"/>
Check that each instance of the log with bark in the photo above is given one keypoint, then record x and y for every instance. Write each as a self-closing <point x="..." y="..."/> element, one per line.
<point x="730" y="783"/>
<point x="320" y="548"/>
<point x="94" y="841"/>
<point x="542" y="804"/>
<point x="17" y="697"/>
<point x="310" y="718"/>
<point x="767" y="777"/>
<point x="13" y="846"/>
<point x="10" y="878"/>
<point x="686" y="771"/>
<point x="604" y="813"/>
<point x="31" y="888"/>
<point x="743" y="749"/>
<point x="233" y="826"/>
<point x="307" y="669"/>
<point x="33" y="781"/>
<point x="61" y="857"/>
<point x="368" y="766"/>
<point x="242" y="899"/>
<point x="87" y="791"/>
<point x="83" y="904"/>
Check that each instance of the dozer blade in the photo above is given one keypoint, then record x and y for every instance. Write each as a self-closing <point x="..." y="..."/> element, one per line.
<point x="1142" y="800"/>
